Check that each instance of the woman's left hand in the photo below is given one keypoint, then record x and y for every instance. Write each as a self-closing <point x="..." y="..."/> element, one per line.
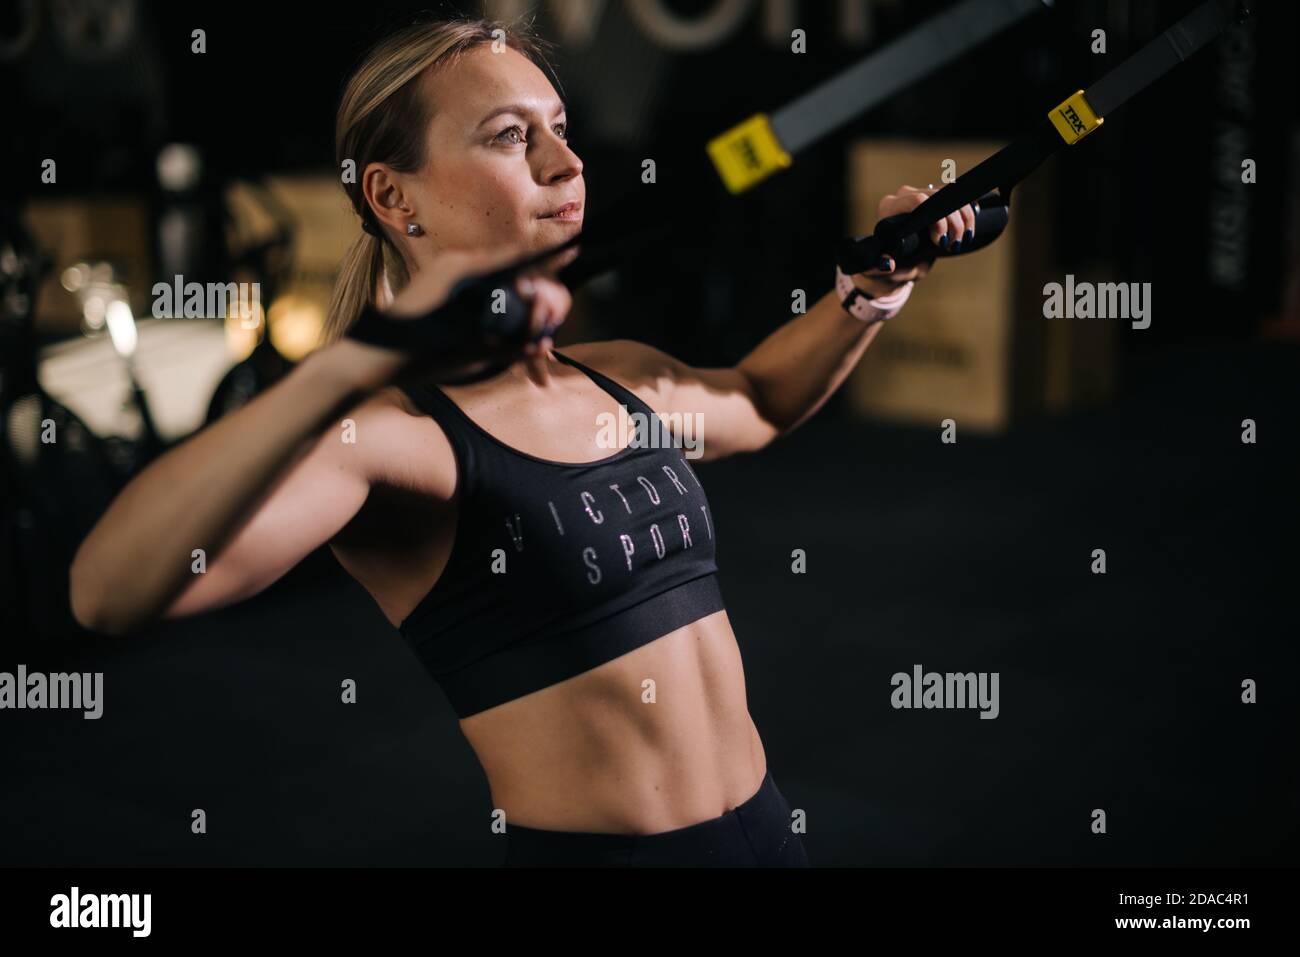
<point x="958" y="227"/>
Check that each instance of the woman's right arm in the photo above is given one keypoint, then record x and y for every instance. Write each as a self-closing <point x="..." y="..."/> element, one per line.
<point x="140" y="556"/>
<point x="261" y="488"/>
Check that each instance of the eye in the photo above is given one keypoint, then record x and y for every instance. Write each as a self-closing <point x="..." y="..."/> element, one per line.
<point x="561" y="130"/>
<point x="500" y="137"/>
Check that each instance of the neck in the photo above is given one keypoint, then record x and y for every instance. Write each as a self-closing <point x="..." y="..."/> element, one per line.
<point x="537" y="369"/>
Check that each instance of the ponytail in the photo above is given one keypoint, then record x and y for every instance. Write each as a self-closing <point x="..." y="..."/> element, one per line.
<point x="354" y="289"/>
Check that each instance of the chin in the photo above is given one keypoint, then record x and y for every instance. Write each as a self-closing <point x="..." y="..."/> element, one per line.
<point x="569" y="255"/>
<point x="560" y="259"/>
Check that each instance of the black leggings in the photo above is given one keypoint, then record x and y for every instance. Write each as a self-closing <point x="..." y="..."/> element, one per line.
<point x="756" y="833"/>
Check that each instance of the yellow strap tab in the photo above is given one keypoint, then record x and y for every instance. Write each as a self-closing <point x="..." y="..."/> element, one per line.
<point x="1074" y="118"/>
<point x="748" y="153"/>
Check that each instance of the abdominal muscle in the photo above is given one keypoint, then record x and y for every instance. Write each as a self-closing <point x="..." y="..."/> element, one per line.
<point x="608" y="752"/>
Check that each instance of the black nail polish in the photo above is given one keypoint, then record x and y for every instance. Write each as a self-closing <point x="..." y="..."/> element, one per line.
<point x="883" y="263"/>
<point x="956" y="247"/>
<point x="943" y="241"/>
<point x="970" y="234"/>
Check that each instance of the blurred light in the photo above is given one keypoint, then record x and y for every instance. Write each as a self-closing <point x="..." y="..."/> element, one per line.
<point x="93" y="309"/>
<point x="178" y="167"/>
<point x="23" y="427"/>
<point x="295" y="323"/>
<point x="244" y="322"/>
<point x="74" y="277"/>
<point x="121" y="328"/>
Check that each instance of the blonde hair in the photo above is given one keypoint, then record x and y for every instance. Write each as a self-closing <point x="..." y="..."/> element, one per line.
<point x="382" y="118"/>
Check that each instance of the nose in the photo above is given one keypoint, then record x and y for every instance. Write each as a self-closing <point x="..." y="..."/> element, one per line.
<point x="560" y="162"/>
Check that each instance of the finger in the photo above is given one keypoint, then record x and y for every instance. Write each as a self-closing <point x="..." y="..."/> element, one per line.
<point x="558" y="301"/>
<point x="541" y="296"/>
<point x="560" y="297"/>
<point x="902" y="203"/>
<point x="884" y="266"/>
<point x="955" y="230"/>
<point x="908" y="199"/>
<point x="968" y="222"/>
<point x="939" y="233"/>
<point x="555" y="300"/>
<point x="538" y="315"/>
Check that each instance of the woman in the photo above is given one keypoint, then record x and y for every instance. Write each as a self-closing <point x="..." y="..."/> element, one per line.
<point x="562" y="594"/>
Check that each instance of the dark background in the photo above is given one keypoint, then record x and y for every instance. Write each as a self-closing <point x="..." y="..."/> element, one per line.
<point x="1119" y="691"/>
<point x="262" y="100"/>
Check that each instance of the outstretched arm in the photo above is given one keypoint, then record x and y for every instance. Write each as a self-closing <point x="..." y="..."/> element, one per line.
<point x="791" y="373"/>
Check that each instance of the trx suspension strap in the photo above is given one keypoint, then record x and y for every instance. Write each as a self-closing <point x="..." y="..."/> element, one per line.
<point x="749" y="153"/>
<point x="906" y="236"/>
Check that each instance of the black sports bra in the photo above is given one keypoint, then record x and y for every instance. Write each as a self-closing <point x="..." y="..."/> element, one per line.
<point x="559" y="567"/>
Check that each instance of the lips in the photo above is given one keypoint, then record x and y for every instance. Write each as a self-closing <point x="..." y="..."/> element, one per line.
<point x="569" y="211"/>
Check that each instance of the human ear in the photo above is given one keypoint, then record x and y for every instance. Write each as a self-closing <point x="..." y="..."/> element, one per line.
<point x="383" y="193"/>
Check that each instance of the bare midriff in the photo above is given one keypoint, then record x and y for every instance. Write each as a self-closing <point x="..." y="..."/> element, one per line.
<point x="657" y="739"/>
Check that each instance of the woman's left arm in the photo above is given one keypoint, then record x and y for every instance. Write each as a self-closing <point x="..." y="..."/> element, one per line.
<point x="791" y="373"/>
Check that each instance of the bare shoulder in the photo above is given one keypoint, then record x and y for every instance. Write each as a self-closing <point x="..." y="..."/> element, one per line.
<point x="647" y="371"/>
<point x="404" y="445"/>
<point x="387" y="410"/>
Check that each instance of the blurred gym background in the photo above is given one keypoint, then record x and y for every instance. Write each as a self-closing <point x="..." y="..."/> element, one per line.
<point x="1120" y="691"/>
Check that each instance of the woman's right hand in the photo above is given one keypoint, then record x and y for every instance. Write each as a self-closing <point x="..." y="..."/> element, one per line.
<point x="367" y="367"/>
<point x="429" y="288"/>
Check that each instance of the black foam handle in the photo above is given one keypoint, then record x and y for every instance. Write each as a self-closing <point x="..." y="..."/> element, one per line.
<point x="482" y="317"/>
<point x="861" y="253"/>
<point x="479" y="311"/>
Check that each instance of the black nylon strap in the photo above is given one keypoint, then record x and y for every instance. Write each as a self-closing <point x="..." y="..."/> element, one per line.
<point x="432" y="333"/>
<point x="1016" y="161"/>
<point x="1002" y="170"/>
<point x="453" y="335"/>
<point x="1161" y="55"/>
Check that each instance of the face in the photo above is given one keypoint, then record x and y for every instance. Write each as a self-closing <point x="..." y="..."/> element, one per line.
<point x="499" y="167"/>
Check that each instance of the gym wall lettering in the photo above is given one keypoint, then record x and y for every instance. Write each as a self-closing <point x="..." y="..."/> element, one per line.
<point x="576" y="22"/>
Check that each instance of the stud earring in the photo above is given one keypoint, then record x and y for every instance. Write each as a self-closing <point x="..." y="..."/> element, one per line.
<point x="413" y="229"/>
